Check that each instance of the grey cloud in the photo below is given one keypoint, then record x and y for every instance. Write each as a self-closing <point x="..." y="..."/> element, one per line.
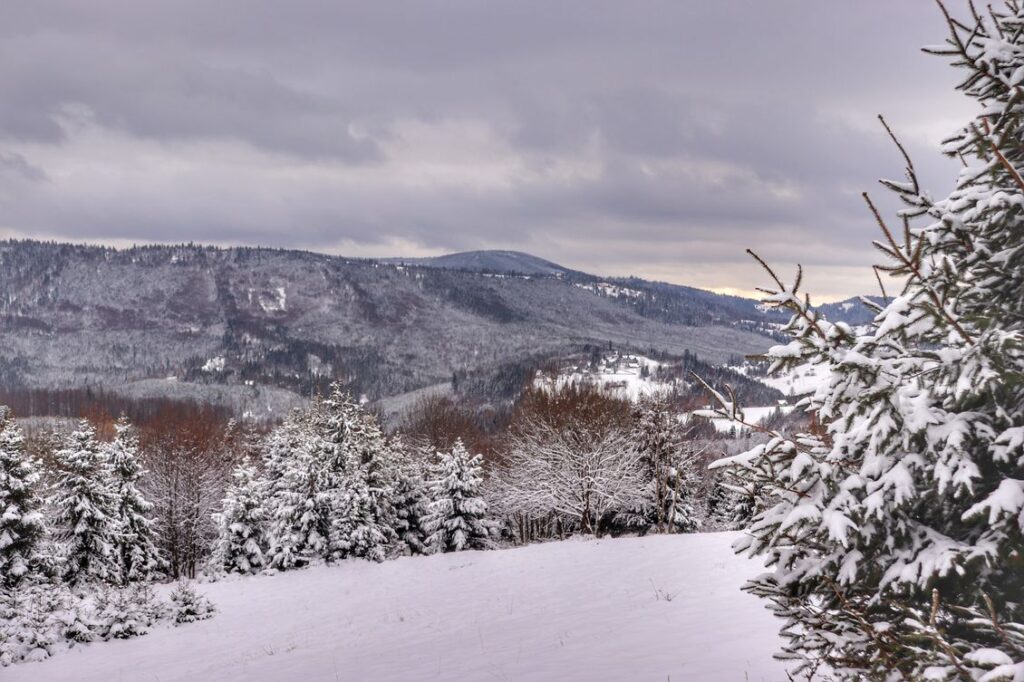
<point x="16" y="166"/>
<point x="168" y="97"/>
<point x="777" y="98"/>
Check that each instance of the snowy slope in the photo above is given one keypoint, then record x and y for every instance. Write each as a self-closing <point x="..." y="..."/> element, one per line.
<point x="619" y="375"/>
<point x="655" y="608"/>
<point x="753" y="415"/>
<point x="798" y="381"/>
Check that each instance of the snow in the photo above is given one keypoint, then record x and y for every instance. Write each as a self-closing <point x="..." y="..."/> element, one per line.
<point x="214" y="365"/>
<point x="621" y="375"/>
<point x="611" y="290"/>
<point x="798" y="381"/>
<point x="753" y="415"/>
<point x="652" y="608"/>
<point x="275" y="301"/>
<point x="1007" y="499"/>
<point x="270" y="301"/>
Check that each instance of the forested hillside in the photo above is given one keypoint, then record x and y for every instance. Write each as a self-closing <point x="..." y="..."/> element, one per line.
<point x="257" y="328"/>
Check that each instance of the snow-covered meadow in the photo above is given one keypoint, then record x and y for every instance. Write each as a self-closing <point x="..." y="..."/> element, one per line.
<point x="624" y="376"/>
<point x="752" y="415"/>
<point x="664" y="607"/>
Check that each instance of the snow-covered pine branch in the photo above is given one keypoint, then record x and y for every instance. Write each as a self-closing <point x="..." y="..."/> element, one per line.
<point x="893" y="527"/>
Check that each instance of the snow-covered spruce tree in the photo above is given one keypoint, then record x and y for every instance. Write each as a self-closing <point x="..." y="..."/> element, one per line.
<point x="241" y="524"/>
<point x="120" y="614"/>
<point x="28" y="630"/>
<point x="135" y="549"/>
<point x="76" y="617"/>
<point x="720" y="506"/>
<point x="85" y="509"/>
<point x="299" y="500"/>
<point x="361" y="470"/>
<point x="356" y="531"/>
<point x="358" y="472"/>
<point x="457" y="514"/>
<point x="328" y="472"/>
<point x="668" y="463"/>
<point x="188" y="605"/>
<point x="22" y="528"/>
<point x="77" y="624"/>
<point x="409" y="495"/>
<point x="894" y="526"/>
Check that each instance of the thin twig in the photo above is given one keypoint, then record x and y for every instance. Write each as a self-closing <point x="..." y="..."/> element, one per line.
<point x="878" y="276"/>
<point x="909" y="262"/>
<point x="911" y="173"/>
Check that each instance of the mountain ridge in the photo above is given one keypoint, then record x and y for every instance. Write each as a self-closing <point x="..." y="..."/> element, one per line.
<point x="495" y="261"/>
<point x="258" y="329"/>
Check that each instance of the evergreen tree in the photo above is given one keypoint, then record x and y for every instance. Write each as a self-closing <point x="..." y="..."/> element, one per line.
<point x="136" y="549"/>
<point x="300" y="502"/>
<point x="119" y="615"/>
<point x="26" y="628"/>
<point x="669" y="467"/>
<point x="361" y="469"/>
<point x="720" y="506"/>
<point x="410" y="498"/>
<point x="241" y="524"/>
<point x="22" y="528"/>
<point x="894" y="526"/>
<point x="188" y="605"/>
<point x="356" y="531"/>
<point x="77" y="623"/>
<point x="86" y="512"/>
<point x="330" y="475"/>
<point x="457" y="514"/>
<point x="680" y="516"/>
<point x="332" y="419"/>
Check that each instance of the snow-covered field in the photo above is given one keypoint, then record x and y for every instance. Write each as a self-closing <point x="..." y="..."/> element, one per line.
<point x="753" y="415"/>
<point x="655" y="608"/>
<point x="799" y="381"/>
<point x="619" y="375"/>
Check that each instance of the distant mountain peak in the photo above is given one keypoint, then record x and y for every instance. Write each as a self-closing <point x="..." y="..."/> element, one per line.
<point x="487" y="261"/>
<point x="851" y="310"/>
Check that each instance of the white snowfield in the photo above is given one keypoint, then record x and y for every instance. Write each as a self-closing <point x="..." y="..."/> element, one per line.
<point x="662" y="608"/>
<point x="799" y="380"/>
<point x="752" y="415"/>
<point x="619" y="375"/>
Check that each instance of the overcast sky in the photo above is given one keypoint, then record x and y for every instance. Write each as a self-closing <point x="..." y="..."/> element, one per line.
<point x="651" y="138"/>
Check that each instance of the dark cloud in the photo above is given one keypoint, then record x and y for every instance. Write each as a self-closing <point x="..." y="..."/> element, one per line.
<point x="18" y="169"/>
<point x="623" y="137"/>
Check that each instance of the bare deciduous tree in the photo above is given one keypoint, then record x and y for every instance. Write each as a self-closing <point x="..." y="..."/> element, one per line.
<point x="578" y="474"/>
<point x="188" y="459"/>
